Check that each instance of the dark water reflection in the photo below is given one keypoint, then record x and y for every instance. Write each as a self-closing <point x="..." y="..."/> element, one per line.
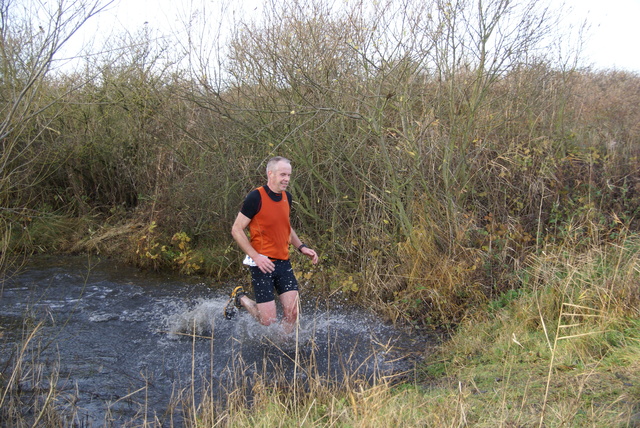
<point x="126" y="343"/>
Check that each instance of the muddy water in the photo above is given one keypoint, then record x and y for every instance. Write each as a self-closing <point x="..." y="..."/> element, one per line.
<point x="128" y="344"/>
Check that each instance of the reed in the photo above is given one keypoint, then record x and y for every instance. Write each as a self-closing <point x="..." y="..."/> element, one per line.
<point x="30" y="394"/>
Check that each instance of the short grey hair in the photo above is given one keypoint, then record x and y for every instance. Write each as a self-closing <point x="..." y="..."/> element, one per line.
<point x="274" y="160"/>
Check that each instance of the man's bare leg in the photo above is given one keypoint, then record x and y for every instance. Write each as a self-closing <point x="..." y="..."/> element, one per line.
<point x="289" y="302"/>
<point x="250" y="306"/>
<point x="265" y="313"/>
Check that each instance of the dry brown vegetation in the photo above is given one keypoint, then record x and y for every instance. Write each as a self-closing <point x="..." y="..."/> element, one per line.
<point x="428" y="162"/>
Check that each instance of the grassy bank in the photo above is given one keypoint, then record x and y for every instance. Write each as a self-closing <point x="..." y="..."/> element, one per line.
<point x="562" y="351"/>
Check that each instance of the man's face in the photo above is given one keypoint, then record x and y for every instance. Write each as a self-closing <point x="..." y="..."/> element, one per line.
<point x="278" y="178"/>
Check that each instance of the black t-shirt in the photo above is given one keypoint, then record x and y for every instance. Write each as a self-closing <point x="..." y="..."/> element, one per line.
<point x="252" y="203"/>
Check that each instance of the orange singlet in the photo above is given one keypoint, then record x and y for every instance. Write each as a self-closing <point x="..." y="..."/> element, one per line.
<point x="270" y="228"/>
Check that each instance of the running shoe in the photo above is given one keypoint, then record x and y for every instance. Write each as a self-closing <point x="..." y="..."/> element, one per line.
<point x="232" y="306"/>
<point x="237" y="294"/>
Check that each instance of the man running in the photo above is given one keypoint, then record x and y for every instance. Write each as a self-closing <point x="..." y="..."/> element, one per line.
<point x="265" y="212"/>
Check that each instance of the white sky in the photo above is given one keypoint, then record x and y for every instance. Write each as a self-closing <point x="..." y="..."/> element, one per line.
<point x="612" y="40"/>
<point x="615" y="33"/>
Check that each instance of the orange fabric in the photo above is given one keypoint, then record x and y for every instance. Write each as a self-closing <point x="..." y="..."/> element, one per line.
<point x="270" y="228"/>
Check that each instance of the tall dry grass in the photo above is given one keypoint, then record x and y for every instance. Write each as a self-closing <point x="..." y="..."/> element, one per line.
<point x="29" y="386"/>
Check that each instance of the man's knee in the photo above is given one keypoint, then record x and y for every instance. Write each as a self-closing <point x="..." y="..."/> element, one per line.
<point x="290" y="305"/>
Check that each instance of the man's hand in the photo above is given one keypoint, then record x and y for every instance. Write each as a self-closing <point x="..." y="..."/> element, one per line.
<point x="310" y="253"/>
<point x="264" y="264"/>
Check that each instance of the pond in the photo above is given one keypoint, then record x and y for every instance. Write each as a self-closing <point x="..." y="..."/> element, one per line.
<point x="126" y="345"/>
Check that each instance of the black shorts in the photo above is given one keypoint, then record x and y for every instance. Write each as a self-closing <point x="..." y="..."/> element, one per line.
<point x="281" y="280"/>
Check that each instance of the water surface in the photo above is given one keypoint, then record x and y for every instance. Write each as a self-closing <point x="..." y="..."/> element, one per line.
<point x="127" y="343"/>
